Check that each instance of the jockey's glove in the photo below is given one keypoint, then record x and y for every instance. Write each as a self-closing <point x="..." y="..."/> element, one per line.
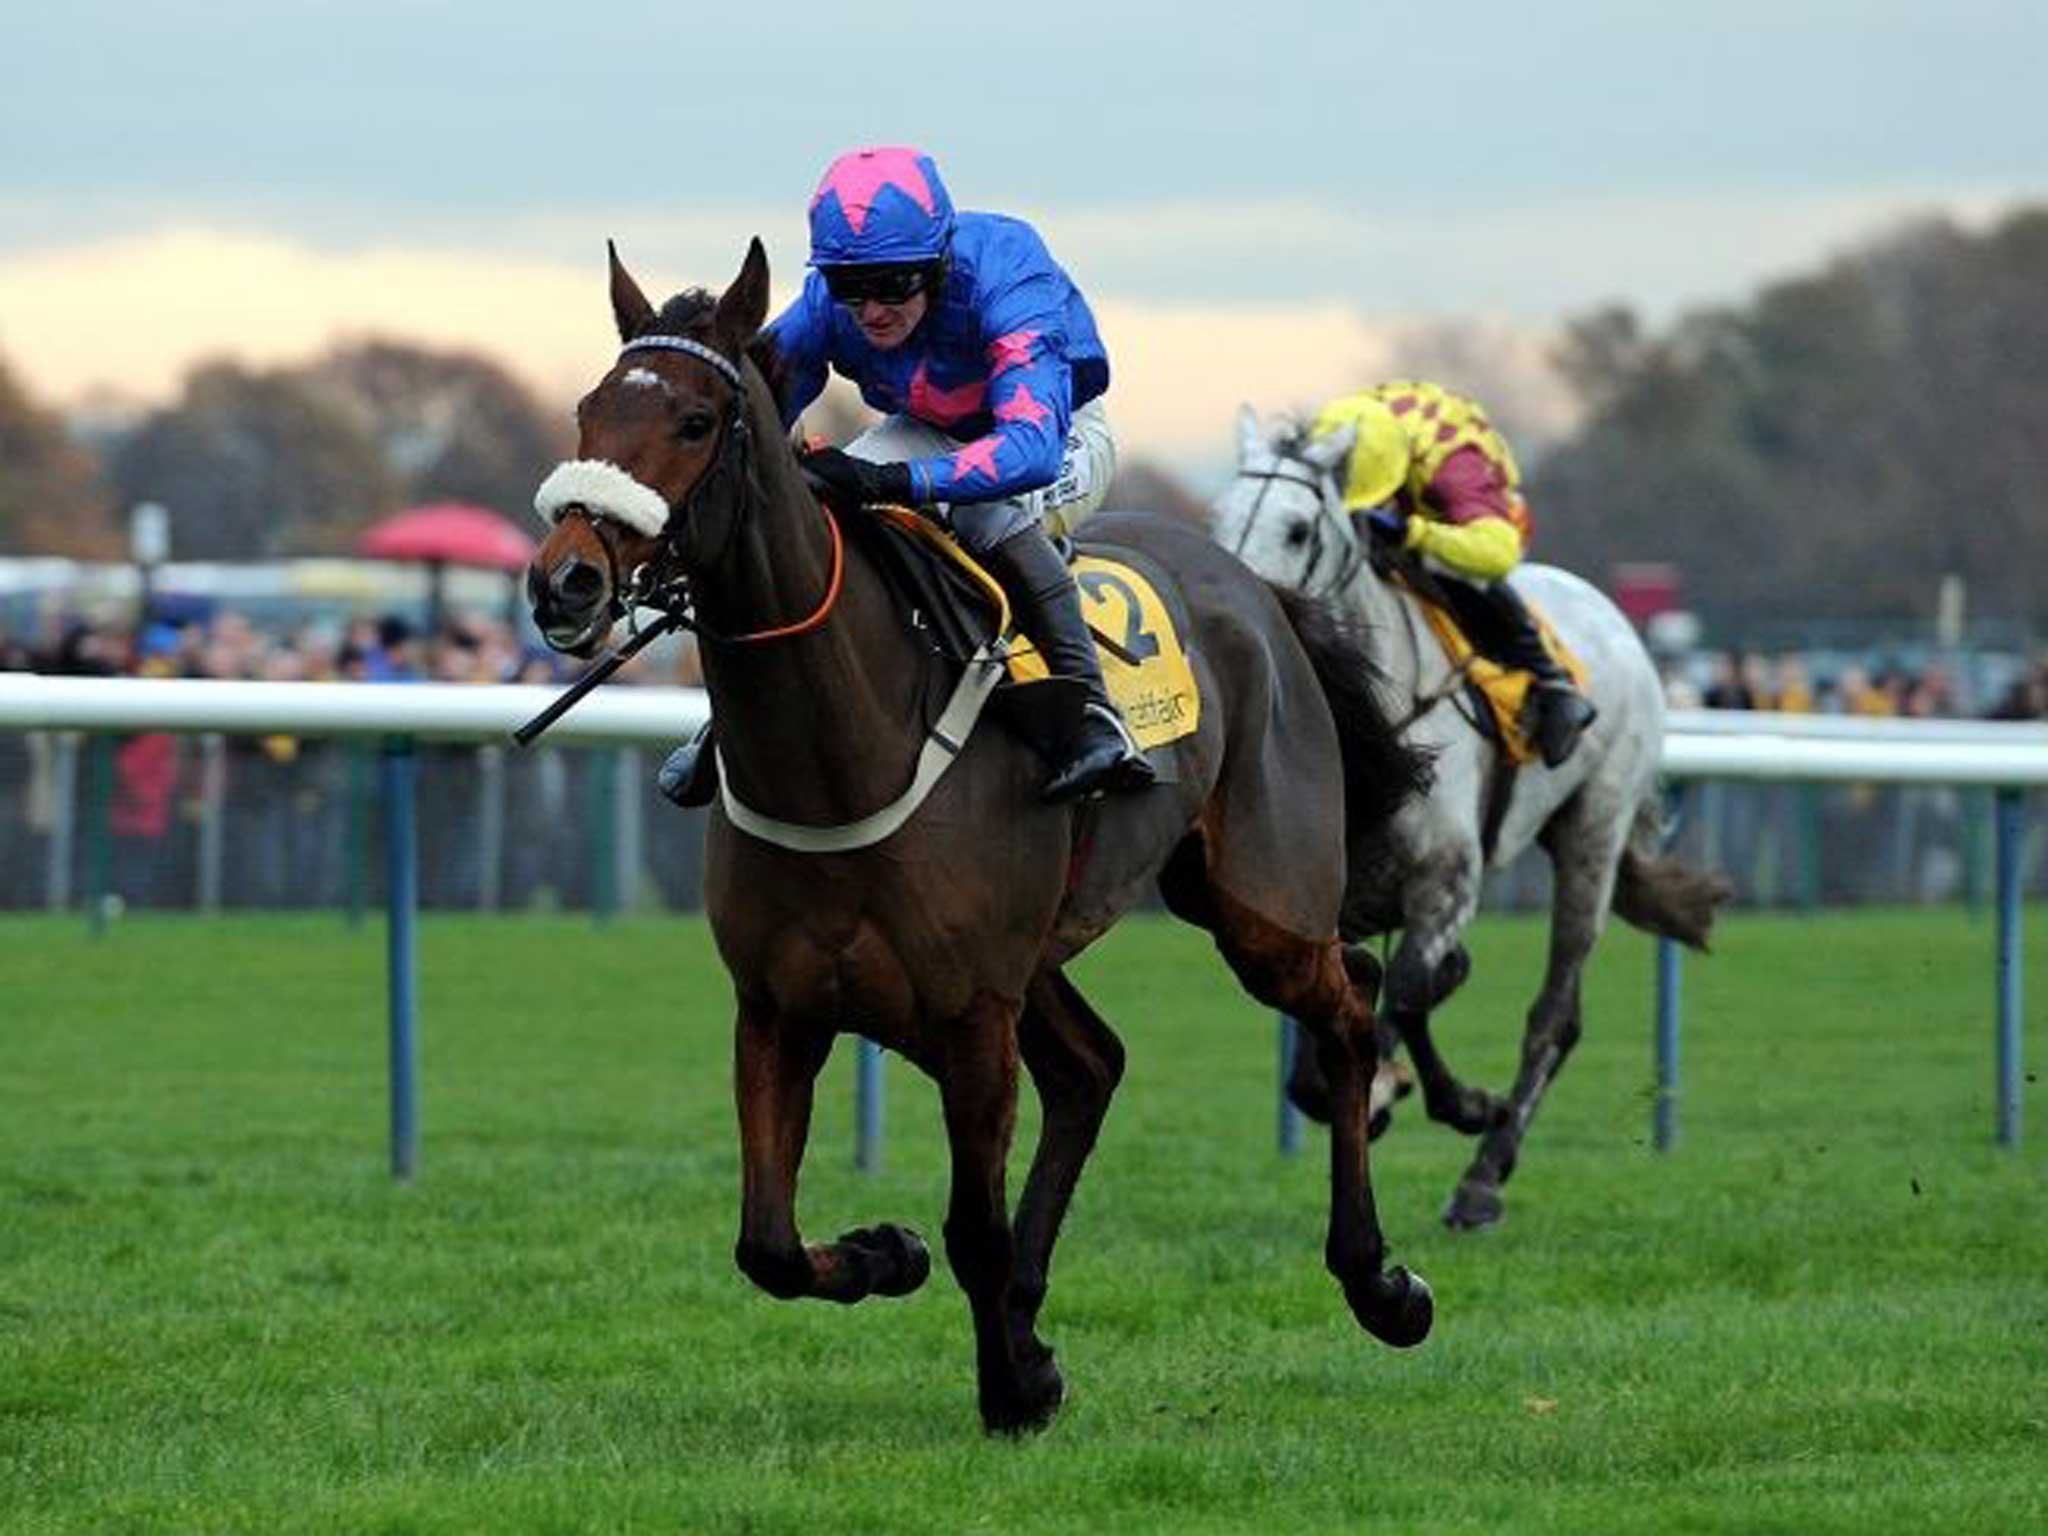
<point x="856" y="480"/>
<point x="1388" y="526"/>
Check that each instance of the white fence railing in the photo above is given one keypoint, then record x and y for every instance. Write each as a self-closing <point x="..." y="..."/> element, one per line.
<point x="1698" y="745"/>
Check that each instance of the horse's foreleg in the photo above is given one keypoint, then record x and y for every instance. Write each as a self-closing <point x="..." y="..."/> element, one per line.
<point x="1424" y="973"/>
<point x="1075" y="1061"/>
<point x="978" y="1090"/>
<point x="777" y="1065"/>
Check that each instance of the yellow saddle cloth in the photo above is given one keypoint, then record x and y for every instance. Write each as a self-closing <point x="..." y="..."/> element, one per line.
<point x="1505" y="691"/>
<point x="1144" y="664"/>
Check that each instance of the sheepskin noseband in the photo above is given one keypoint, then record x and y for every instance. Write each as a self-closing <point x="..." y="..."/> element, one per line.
<point x="604" y="490"/>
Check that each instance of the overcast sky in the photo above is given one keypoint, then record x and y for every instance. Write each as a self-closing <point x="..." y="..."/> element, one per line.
<point x="179" y="177"/>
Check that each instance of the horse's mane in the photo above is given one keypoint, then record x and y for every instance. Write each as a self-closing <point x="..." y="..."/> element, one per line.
<point x="692" y="310"/>
<point x="687" y="311"/>
<point x="1292" y="439"/>
<point x="1381" y="771"/>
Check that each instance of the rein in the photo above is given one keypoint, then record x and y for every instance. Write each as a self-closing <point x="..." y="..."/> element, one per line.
<point x="1323" y="486"/>
<point x="663" y="583"/>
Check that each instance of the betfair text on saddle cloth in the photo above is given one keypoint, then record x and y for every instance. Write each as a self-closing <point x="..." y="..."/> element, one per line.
<point x="984" y="359"/>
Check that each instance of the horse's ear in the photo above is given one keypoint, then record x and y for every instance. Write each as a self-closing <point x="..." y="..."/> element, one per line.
<point x="1248" y="442"/>
<point x="1332" y="448"/>
<point x="630" y="309"/>
<point x="744" y="305"/>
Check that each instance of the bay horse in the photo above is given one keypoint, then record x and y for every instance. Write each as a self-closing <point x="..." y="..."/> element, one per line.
<point x="1598" y="815"/>
<point x="945" y="939"/>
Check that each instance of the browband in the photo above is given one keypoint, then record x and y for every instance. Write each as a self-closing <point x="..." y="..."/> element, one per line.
<point x="696" y="349"/>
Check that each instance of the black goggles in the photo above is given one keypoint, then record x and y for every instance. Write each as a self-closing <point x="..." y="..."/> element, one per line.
<point x="854" y="286"/>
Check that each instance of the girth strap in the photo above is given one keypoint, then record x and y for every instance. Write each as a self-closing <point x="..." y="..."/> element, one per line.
<point x="942" y="744"/>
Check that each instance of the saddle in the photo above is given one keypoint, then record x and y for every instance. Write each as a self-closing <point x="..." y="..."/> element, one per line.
<point x="958" y="606"/>
<point x="1497" y="694"/>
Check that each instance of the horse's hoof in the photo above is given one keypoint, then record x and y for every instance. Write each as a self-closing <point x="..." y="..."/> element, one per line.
<point x="1040" y="1391"/>
<point x="897" y="1258"/>
<point x="1474" y="1205"/>
<point x="1040" y="1374"/>
<point x="1396" y="1308"/>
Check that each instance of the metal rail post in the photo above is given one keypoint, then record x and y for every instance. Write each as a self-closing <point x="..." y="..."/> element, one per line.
<point x="1664" y="1111"/>
<point x="2011" y="834"/>
<point x="1289" y="1125"/>
<point x="400" y="772"/>
<point x="867" y="1106"/>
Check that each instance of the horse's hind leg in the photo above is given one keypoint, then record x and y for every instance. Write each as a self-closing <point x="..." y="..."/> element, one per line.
<point x="1307" y="978"/>
<point x="1309" y="1091"/>
<point x="1075" y="1061"/>
<point x="777" y="1069"/>
<point x="1585" y="849"/>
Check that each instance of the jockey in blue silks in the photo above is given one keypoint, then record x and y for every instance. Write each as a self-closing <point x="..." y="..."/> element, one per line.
<point x="984" y="360"/>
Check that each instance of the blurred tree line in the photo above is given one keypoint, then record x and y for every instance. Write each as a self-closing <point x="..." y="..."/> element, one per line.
<point x="257" y="463"/>
<point x="1832" y="448"/>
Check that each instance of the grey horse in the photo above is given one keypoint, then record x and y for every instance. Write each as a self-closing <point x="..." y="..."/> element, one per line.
<point x="1598" y="815"/>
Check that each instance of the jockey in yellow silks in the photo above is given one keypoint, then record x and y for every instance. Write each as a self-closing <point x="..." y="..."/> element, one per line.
<point x="1427" y="473"/>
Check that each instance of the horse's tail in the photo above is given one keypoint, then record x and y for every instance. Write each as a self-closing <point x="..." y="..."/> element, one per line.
<point x="1661" y="894"/>
<point x="1381" y="771"/>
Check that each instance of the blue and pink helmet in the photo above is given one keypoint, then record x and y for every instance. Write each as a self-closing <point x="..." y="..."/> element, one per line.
<point x="880" y="205"/>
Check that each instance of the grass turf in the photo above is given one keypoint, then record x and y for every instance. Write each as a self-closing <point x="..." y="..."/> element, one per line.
<point x="1826" y="1310"/>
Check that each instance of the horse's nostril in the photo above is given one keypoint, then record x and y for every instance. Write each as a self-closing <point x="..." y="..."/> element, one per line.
<point x="580" y="583"/>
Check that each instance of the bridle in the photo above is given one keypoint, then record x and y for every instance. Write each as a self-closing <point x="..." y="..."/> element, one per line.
<point x="1330" y="524"/>
<point x="1330" y="516"/>
<point x="663" y="582"/>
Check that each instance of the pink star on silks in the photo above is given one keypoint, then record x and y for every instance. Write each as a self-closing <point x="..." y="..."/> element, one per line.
<point x="979" y="455"/>
<point x="931" y="403"/>
<point x="1010" y="351"/>
<point x="858" y="176"/>
<point x="1023" y="407"/>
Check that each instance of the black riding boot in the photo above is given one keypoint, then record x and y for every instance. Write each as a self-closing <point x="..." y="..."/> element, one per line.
<point x="689" y="777"/>
<point x="1509" y="636"/>
<point x="1098" y="753"/>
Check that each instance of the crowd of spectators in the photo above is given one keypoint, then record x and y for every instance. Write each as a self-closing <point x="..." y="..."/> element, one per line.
<point x="1800" y="844"/>
<point x="293" y="809"/>
<point x="1797" y="684"/>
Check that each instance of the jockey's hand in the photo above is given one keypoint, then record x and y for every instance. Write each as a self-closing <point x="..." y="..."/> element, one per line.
<point x="1388" y="527"/>
<point x="856" y="480"/>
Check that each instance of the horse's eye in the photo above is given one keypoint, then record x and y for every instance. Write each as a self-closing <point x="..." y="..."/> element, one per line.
<point x="695" y="427"/>
<point x="1297" y="534"/>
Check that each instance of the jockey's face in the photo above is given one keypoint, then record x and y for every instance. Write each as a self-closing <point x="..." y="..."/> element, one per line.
<point x="889" y="325"/>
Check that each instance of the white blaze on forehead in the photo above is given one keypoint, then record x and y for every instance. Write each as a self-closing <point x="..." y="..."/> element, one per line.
<point x="603" y="490"/>
<point x="646" y="378"/>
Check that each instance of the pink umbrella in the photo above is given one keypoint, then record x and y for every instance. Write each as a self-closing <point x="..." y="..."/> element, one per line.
<point x="449" y="532"/>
